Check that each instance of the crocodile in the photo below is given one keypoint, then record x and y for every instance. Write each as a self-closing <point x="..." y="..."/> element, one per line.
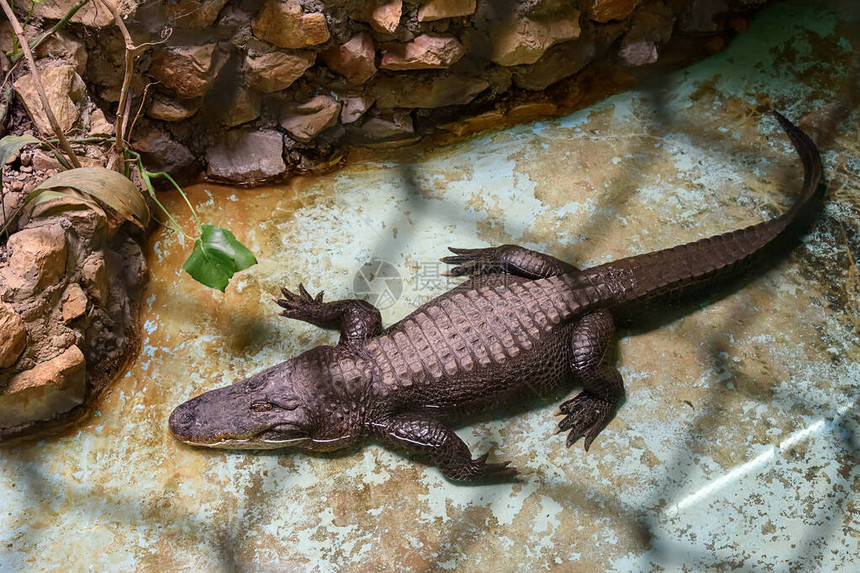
<point x="522" y="323"/>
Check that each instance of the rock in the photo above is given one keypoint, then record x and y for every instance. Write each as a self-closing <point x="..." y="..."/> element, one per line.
<point x="276" y="71"/>
<point x="383" y="16"/>
<point x="306" y="120"/>
<point x="44" y="392"/>
<point x="245" y="155"/>
<point x="13" y="335"/>
<point x="194" y="14"/>
<point x="65" y="90"/>
<point x="355" y="60"/>
<point x="64" y="46"/>
<point x="559" y="62"/>
<point x="605" y="10"/>
<point x="44" y="161"/>
<point x="94" y="277"/>
<point x="387" y="128"/>
<point x="166" y="108"/>
<point x="650" y="28"/>
<point x="242" y="107"/>
<point x="439" y="9"/>
<point x="423" y="53"/>
<point x="353" y="107"/>
<point x="160" y="152"/>
<point x="74" y="302"/>
<point x="92" y="14"/>
<point x="524" y="40"/>
<point x="100" y="126"/>
<point x="429" y="91"/>
<point x="38" y="256"/>
<point x="286" y="25"/>
<point x="701" y="15"/>
<point x="88" y="220"/>
<point x="487" y="120"/>
<point x="186" y="70"/>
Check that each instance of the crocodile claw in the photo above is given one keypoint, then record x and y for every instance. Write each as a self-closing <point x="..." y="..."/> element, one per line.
<point x="586" y="416"/>
<point x="471" y="261"/>
<point x="480" y="469"/>
<point x="297" y="305"/>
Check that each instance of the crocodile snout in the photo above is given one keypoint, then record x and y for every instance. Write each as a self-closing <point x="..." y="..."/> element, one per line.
<point x="182" y="420"/>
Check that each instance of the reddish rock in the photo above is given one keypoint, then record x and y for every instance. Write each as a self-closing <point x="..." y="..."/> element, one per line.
<point x="524" y="40"/>
<point x="44" y="392"/>
<point x="427" y="92"/>
<point x="423" y="53"/>
<point x="439" y="9"/>
<point x="605" y="10"/>
<point x="306" y="120"/>
<point x="245" y="155"/>
<point x="355" y="60"/>
<point x="286" y="25"/>
<point x="165" y="108"/>
<point x="13" y="335"/>
<point x="94" y="277"/>
<point x="64" y="46"/>
<point x="160" y="152"/>
<point x="194" y="14"/>
<point x="276" y="71"/>
<point x="650" y="28"/>
<point x="387" y="128"/>
<point x="243" y="106"/>
<point x="38" y="256"/>
<point x="74" y="302"/>
<point x="559" y="62"/>
<point x="99" y="125"/>
<point x="383" y="15"/>
<point x="92" y="14"/>
<point x="187" y="70"/>
<point x="65" y="91"/>
<point x="353" y="107"/>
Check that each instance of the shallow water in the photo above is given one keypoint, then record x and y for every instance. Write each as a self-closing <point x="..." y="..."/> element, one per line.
<point x="735" y="446"/>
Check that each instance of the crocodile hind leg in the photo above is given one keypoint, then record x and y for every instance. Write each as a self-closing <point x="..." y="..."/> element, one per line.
<point x="508" y="259"/>
<point x="356" y="319"/>
<point x="422" y="434"/>
<point x="602" y="387"/>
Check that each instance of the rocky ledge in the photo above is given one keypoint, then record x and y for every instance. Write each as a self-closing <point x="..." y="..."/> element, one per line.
<point x="255" y="90"/>
<point x="69" y="290"/>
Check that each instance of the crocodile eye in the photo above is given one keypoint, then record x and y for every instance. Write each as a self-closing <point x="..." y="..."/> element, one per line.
<point x="261" y="406"/>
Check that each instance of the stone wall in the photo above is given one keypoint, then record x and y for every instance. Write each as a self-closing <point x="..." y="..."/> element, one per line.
<point x="254" y="90"/>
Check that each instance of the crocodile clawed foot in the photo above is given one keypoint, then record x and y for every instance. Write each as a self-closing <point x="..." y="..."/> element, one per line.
<point x="479" y="471"/>
<point x="301" y="304"/>
<point x="585" y="416"/>
<point x="471" y="261"/>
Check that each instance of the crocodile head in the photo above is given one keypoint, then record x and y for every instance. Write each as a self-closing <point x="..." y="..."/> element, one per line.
<point x="292" y="404"/>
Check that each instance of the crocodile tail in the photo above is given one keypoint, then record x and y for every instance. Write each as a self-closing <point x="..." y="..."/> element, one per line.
<point x="674" y="272"/>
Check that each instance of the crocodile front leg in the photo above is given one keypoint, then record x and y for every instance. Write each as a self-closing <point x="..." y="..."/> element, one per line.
<point x="451" y="455"/>
<point x="509" y="259"/>
<point x="590" y="411"/>
<point x="356" y="319"/>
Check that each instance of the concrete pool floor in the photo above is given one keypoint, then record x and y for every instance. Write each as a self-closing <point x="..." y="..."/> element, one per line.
<point x="736" y="447"/>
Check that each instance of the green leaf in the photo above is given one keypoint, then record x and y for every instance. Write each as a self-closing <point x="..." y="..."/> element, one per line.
<point x="115" y="191"/>
<point x="11" y="144"/>
<point x="216" y="257"/>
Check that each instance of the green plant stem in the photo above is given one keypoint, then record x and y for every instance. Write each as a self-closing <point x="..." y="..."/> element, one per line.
<point x="147" y="182"/>
<point x="16" y="26"/>
<point x="18" y="54"/>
